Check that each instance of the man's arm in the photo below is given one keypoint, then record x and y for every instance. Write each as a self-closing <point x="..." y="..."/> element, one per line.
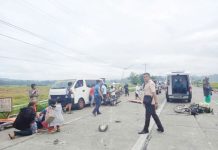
<point x="154" y="95"/>
<point x="99" y="91"/>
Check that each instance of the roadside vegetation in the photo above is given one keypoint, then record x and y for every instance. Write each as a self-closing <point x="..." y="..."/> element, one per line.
<point x="19" y="94"/>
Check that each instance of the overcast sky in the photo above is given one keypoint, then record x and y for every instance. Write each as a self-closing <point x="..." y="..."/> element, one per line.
<point x="61" y="39"/>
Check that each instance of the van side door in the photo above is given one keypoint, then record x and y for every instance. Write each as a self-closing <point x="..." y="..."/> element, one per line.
<point x="79" y="91"/>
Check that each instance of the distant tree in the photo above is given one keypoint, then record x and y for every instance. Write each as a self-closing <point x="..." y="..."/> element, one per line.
<point x="136" y="78"/>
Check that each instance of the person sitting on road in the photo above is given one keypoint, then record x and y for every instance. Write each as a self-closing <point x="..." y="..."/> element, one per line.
<point x="25" y="122"/>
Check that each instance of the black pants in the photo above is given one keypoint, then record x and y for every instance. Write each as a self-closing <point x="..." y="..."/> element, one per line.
<point x="150" y="111"/>
<point x="25" y="132"/>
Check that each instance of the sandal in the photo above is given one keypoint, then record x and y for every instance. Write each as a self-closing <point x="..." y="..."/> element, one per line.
<point x="11" y="137"/>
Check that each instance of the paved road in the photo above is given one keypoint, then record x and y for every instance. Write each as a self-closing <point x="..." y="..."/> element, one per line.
<point x="81" y="130"/>
<point x="185" y="132"/>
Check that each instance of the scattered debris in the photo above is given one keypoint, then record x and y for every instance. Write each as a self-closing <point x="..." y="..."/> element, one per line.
<point x="117" y="121"/>
<point x="56" y="141"/>
<point x="102" y="128"/>
<point x="136" y="101"/>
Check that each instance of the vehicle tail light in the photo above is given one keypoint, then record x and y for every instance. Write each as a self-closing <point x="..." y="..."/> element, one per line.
<point x="190" y="89"/>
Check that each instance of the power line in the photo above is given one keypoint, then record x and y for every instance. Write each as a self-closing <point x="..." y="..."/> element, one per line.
<point x="32" y="33"/>
<point x="34" y="45"/>
<point x="42" y="38"/>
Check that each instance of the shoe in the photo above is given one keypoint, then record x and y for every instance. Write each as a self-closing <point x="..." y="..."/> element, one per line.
<point x="160" y="130"/>
<point x="98" y="113"/>
<point x="70" y="112"/>
<point x="143" y="132"/>
<point x="94" y="113"/>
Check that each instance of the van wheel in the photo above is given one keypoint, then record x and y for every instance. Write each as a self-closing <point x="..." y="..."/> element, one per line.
<point x="81" y="104"/>
<point x="168" y="99"/>
<point x="189" y="100"/>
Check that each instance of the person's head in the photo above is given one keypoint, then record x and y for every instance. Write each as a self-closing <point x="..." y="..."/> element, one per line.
<point x="32" y="104"/>
<point x="53" y="102"/>
<point x="146" y="76"/>
<point x="69" y="83"/>
<point x="58" y="100"/>
<point x="33" y="86"/>
<point x="99" y="82"/>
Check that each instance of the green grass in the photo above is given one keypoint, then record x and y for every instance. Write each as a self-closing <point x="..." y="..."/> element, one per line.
<point x="19" y="96"/>
<point x="214" y="85"/>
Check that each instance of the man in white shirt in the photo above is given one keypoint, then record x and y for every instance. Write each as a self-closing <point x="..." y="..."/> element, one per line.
<point x="104" y="92"/>
<point x="151" y="104"/>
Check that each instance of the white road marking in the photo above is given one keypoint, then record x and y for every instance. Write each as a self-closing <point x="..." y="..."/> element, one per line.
<point x="141" y="142"/>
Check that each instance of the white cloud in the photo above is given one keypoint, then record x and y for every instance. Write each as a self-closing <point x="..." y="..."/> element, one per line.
<point x="100" y="38"/>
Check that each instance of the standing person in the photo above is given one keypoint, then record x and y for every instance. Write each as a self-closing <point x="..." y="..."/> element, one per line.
<point x="137" y="90"/>
<point x="126" y="88"/>
<point x="98" y="96"/>
<point x="69" y="99"/>
<point x="33" y="93"/>
<point x="151" y="104"/>
<point x="104" y="92"/>
<point x="91" y="96"/>
<point x="207" y="89"/>
<point x="112" y="92"/>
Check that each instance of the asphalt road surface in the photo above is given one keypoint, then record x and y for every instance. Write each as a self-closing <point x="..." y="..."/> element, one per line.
<point x="80" y="131"/>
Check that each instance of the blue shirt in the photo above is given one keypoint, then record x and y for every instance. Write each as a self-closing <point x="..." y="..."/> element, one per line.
<point x="96" y="89"/>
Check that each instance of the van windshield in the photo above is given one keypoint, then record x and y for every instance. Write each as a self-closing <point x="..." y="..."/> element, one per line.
<point x="61" y="84"/>
<point x="180" y="84"/>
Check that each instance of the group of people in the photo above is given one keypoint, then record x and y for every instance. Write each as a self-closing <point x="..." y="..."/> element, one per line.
<point x="99" y="93"/>
<point x="28" y="121"/>
<point x="51" y="118"/>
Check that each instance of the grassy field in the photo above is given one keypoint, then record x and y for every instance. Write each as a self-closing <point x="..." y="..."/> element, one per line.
<point x="214" y="85"/>
<point x="19" y="94"/>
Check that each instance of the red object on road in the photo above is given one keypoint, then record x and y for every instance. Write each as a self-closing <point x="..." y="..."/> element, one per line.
<point x="136" y="101"/>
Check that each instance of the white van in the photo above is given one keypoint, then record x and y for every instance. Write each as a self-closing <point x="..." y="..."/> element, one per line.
<point x="80" y="88"/>
<point x="178" y="86"/>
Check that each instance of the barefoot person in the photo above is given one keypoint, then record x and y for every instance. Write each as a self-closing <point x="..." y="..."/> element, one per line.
<point x="24" y="122"/>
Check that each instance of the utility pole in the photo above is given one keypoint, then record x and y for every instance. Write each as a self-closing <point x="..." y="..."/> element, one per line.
<point x="145" y="68"/>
